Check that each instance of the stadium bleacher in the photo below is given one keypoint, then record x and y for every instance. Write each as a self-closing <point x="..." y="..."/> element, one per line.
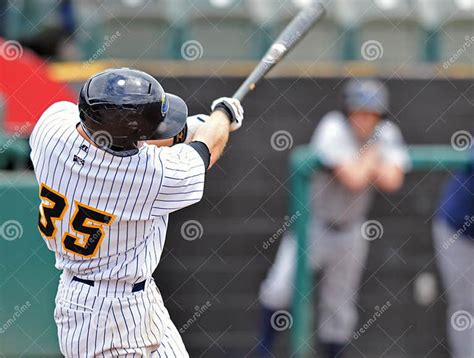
<point x="427" y="31"/>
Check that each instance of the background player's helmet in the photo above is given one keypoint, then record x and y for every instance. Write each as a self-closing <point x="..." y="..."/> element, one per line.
<point x="365" y="95"/>
<point x="119" y="107"/>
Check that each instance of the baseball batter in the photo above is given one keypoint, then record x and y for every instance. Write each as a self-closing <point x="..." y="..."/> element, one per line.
<point x="360" y="151"/>
<point x="108" y="182"/>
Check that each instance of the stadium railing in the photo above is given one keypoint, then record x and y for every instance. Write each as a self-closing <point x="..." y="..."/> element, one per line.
<point x="303" y="164"/>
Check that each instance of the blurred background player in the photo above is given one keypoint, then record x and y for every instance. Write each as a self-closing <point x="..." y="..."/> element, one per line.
<point x="362" y="152"/>
<point x="453" y="232"/>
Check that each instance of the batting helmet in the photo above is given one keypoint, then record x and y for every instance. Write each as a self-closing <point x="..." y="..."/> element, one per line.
<point x="119" y="107"/>
<point x="366" y="95"/>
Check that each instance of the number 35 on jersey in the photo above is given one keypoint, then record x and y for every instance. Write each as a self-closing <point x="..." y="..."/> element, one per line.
<point x="86" y="227"/>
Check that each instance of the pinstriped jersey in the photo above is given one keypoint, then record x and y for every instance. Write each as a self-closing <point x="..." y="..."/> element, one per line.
<point x="106" y="216"/>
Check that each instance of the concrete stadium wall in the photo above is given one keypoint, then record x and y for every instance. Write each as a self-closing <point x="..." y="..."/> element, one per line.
<point x="245" y="203"/>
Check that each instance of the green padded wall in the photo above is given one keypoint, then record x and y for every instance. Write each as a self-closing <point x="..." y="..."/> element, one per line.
<point x="28" y="279"/>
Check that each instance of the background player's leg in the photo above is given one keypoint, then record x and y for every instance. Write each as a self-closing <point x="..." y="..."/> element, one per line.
<point x="344" y="262"/>
<point x="454" y="257"/>
<point x="276" y="291"/>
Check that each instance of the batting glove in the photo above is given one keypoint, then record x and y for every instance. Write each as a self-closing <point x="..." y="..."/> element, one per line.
<point x="193" y="123"/>
<point x="234" y="110"/>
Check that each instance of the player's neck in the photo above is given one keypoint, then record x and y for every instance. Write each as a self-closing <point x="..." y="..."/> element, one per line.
<point x="84" y="135"/>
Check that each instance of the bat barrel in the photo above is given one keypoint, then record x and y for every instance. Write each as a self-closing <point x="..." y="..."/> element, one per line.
<point x="288" y="39"/>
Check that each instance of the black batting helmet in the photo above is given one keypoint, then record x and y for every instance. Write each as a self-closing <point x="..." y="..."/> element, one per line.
<point x="121" y="106"/>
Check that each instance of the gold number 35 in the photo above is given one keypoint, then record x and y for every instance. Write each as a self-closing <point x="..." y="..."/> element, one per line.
<point x="86" y="220"/>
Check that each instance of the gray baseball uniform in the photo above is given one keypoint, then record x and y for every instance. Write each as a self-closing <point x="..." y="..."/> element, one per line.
<point x="336" y="244"/>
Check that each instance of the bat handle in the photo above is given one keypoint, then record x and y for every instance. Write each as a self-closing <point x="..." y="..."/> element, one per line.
<point x="244" y="89"/>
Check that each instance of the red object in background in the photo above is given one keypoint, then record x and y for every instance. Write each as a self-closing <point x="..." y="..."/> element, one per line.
<point x="26" y="88"/>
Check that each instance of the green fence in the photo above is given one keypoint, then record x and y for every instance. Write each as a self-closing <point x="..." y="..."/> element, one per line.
<point x="303" y="164"/>
<point x="28" y="279"/>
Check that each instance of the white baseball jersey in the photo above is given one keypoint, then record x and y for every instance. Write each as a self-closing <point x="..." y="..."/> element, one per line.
<point x="106" y="216"/>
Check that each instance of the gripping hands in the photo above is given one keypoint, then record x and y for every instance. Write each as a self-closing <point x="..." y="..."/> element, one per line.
<point x="233" y="109"/>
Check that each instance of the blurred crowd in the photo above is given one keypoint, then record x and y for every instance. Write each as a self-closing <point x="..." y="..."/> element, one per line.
<point x="75" y="30"/>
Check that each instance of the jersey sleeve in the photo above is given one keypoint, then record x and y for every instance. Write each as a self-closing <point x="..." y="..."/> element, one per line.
<point x="182" y="182"/>
<point x="59" y="111"/>
<point x="392" y="146"/>
<point x="332" y="141"/>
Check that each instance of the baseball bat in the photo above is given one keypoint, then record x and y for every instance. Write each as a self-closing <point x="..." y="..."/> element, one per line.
<point x="290" y="36"/>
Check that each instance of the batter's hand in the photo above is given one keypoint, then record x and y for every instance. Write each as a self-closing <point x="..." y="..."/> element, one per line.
<point x="233" y="108"/>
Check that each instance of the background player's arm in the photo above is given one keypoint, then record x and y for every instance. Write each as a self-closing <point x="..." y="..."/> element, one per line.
<point x="388" y="177"/>
<point x="357" y="174"/>
<point x="370" y="169"/>
<point x="333" y="140"/>
<point x="393" y="160"/>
